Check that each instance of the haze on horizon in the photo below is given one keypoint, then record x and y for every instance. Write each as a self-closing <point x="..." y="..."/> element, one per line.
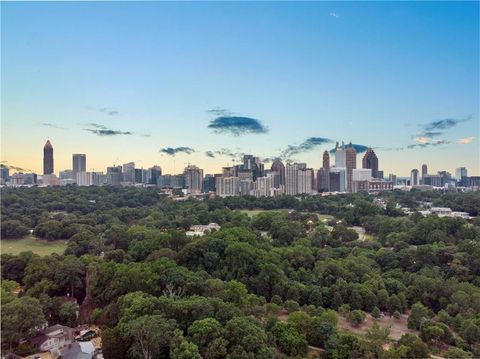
<point x="171" y="83"/>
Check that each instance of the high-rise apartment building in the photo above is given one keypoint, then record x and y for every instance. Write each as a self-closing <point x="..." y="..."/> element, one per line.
<point x="48" y="158"/>
<point x="414" y="177"/>
<point x="304" y="181"/>
<point x="114" y="175"/>
<point x="153" y="173"/>
<point x="227" y="186"/>
<point x="351" y="164"/>
<point x="193" y="179"/>
<point x="370" y="160"/>
<point x="128" y="171"/>
<point x="292" y="176"/>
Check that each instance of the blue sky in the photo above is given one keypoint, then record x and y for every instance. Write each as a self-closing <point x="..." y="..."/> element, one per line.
<point x="376" y="74"/>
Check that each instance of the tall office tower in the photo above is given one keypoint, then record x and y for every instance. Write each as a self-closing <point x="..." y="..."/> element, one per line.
<point x="47" y="158"/>
<point x="227" y="186"/>
<point x="351" y="164"/>
<point x="326" y="160"/>
<point x="193" y="179"/>
<point x="208" y="183"/>
<point x="337" y="179"/>
<point x="279" y="167"/>
<point x="114" y="175"/>
<point x="340" y="157"/>
<point x="140" y="175"/>
<point x="370" y="160"/>
<point x="79" y="164"/>
<point x="424" y="170"/>
<point x="414" y="177"/>
<point x="304" y="181"/>
<point x="460" y="172"/>
<point x="153" y="173"/>
<point x="322" y="174"/>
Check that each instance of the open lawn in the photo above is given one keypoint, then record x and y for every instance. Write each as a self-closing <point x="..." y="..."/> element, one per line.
<point x="31" y="243"/>
<point x="254" y="212"/>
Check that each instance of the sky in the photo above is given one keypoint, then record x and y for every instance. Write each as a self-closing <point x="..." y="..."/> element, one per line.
<point x="171" y="83"/>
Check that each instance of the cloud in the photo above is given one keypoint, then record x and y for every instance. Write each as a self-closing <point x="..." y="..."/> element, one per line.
<point x="334" y="14"/>
<point x="104" y="110"/>
<point x="51" y="125"/>
<point x="466" y="140"/>
<point x="97" y="125"/>
<point x="219" y="111"/>
<point x="428" y="144"/>
<point x="307" y="145"/>
<point x="237" y="125"/>
<point x="107" y="132"/>
<point x="171" y="151"/>
<point x="422" y="139"/>
<point x="224" y="152"/>
<point x="102" y="130"/>
<point x="431" y="134"/>
<point x="444" y="124"/>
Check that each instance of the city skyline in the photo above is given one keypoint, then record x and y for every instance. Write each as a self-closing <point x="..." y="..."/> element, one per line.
<point x="205" y="81"/>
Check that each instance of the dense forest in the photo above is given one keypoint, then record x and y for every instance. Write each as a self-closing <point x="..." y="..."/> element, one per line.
<point x="279" y="282"/>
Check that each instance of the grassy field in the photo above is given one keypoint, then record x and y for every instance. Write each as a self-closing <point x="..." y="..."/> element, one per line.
<point x="31" y="243"/>
<point x="254" y="212"/>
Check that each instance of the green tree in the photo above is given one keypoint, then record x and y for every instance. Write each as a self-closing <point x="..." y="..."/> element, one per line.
<point x="21" y="318"/>
<point x="204" y="331"/>
<point x="416" y="348"/>
<point x="151" y="336"/>
<point x="289" y="339"/>
<point x="113" y="344"/>
<point x="356" y="317"/>
<point x="418" y="314"/>
<point x="181" y="348"/>
<point x="13" y="229"/>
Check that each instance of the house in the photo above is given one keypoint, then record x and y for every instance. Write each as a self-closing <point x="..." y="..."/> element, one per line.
<point x="53" y="339"/>
<point x="200" y="229"/>
<point x="81" y="350"/>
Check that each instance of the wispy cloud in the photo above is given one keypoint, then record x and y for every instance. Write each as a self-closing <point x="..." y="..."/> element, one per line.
<point x="51" y="125"/>
<point x="104" y="110"/>
<point x="172" y="151"/>
<point x="224" y="152"/>
<point x="107" y="132"/>
<point x="219" y="111"/>
<point x="334" y="14"/>
<point x="237" y="125"/>
<point x="466" y="140"/>
<point x="428" y="144"/>
<point x="438" y="127"/>
<point x="307" y="145"/>
<point x="102" y="130"/>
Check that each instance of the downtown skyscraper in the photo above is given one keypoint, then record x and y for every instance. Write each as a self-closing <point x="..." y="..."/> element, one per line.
<point x="48" y="158"/>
